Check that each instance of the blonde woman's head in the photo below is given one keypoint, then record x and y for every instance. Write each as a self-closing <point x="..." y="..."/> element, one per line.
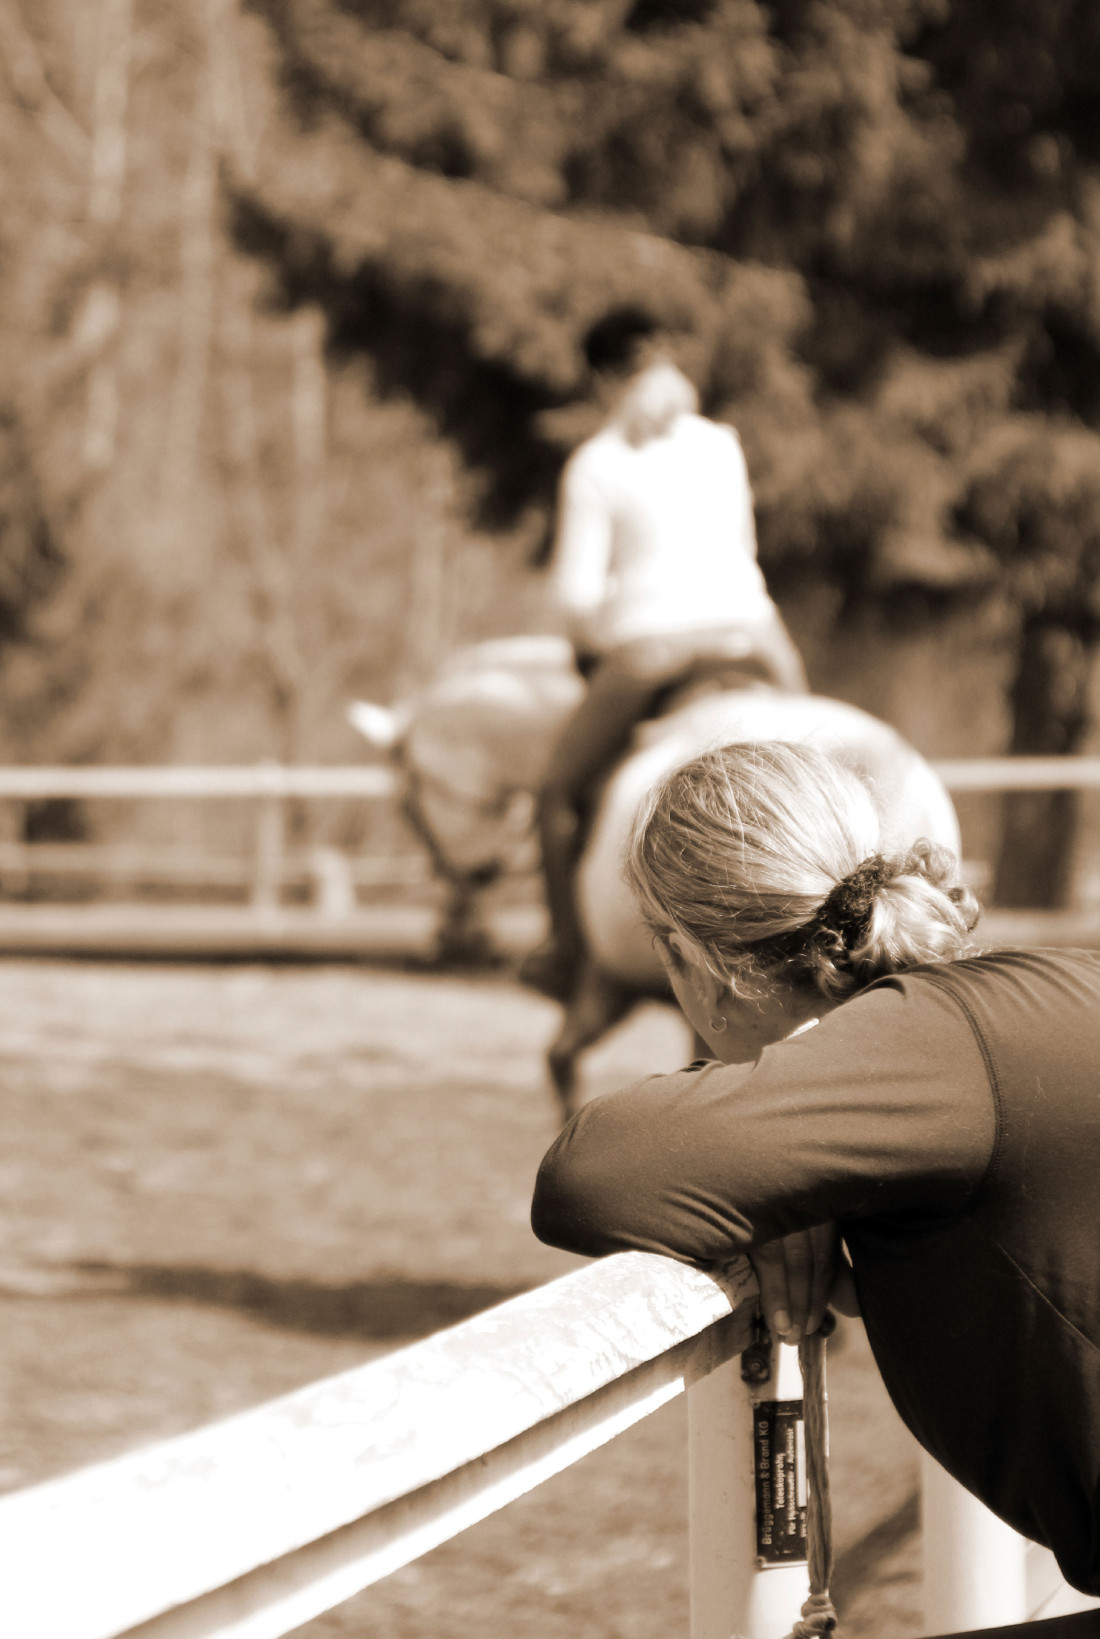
<point x="654" y="399"/>
<point x="765" y="859"/>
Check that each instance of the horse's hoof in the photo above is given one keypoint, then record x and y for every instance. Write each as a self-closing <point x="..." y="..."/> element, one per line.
<point x="473" y="949"/>
<point x="549" y="972"/>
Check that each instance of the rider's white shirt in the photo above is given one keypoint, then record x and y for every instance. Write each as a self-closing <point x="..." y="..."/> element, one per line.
<point x="657" y="537"/>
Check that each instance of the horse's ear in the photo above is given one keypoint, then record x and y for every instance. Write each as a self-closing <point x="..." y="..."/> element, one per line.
<point x="382" y="726"/>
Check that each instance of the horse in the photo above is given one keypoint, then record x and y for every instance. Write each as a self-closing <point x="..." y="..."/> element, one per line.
<point x="472" y="745"/>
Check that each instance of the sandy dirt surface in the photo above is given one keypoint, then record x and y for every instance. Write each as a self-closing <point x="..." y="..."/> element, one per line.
<point x="221" y="1183"/>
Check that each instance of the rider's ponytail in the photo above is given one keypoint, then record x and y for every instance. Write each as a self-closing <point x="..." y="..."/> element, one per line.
<point x="767" y="858"/>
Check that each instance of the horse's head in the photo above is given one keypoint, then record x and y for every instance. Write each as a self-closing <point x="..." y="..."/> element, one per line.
<point x="479" y="834"/>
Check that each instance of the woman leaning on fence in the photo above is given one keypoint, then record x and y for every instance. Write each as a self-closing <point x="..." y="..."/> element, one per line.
<point x="942" y="1115"/>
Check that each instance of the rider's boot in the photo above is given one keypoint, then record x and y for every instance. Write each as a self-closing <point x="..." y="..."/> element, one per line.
<point x="553" y="966"/>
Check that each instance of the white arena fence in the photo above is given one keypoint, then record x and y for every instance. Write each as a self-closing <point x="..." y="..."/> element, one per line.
<point x="334" y="875"/>
<point x="252" y="1526"/>
<point x="268" y="786"/>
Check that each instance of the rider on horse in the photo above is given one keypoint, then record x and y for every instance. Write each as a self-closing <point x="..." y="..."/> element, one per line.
<point x="655" y="571"/>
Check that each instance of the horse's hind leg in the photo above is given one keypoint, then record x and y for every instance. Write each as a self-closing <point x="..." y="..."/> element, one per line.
<point x="597" y="1003"/>
<point x="462" y="937"/>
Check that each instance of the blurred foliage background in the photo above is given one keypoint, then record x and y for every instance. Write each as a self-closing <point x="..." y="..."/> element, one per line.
<point x="293" y="300"/>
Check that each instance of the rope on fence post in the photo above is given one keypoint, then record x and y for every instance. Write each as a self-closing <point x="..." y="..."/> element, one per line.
<point x="818" y="1613"/>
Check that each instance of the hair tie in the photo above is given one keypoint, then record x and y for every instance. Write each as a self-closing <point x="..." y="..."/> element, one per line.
<point x="847" y="909"/>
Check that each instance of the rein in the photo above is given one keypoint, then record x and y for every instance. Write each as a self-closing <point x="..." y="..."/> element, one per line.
<point x="818" y="1612"/>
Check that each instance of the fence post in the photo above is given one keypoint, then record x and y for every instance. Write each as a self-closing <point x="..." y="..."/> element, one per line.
<point x="732" y="1597"/>
<point x="270" y="843"/>
<point x="974" y="1565"/>
<point x="333" y="883"/>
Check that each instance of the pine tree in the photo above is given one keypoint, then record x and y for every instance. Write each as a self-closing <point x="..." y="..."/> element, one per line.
<point x="871" y="226"/>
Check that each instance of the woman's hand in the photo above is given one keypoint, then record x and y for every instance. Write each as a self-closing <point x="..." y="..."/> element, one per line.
<point x="800" y="1276"/>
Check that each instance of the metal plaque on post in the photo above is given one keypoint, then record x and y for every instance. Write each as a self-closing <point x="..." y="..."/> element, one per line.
<point x="779" y="1461"/>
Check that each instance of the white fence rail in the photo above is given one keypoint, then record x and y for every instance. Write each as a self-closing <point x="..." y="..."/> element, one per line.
<point x="266" y="780"/>
<point x="334" y="877"/>
<point x="252" y="1526"/>
<point x="268" y="785"/>
<point x="257" y="780"/>
<point x="1019" y="773"/>
<point x="370" y="782"/>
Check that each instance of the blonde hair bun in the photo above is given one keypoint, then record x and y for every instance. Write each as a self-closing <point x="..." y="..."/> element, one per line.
<point x="920" y="911"/>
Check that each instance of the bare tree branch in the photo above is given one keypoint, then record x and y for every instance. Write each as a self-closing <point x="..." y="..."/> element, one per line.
<point x="272" y="584"/>
<point x="32" y="90"/>
<point x="227" y="92"/>
<point x="199" y="253"/>
<point x="108" y="175"/>
<point x="112" y="98"/>
<point x="308" y="403"/>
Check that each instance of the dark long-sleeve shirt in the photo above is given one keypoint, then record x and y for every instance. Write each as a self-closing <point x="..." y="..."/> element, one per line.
<point x="949" y="1121"/>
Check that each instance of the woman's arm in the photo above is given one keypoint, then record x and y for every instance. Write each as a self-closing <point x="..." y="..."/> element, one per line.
<point x="582" y="549"/>
<point x="884" y="1107"/>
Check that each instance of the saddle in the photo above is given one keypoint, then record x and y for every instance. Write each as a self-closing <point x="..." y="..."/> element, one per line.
<point x="714" y="674"/>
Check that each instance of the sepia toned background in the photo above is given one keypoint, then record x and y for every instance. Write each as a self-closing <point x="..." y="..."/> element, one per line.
<point x="292" y="302"/>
